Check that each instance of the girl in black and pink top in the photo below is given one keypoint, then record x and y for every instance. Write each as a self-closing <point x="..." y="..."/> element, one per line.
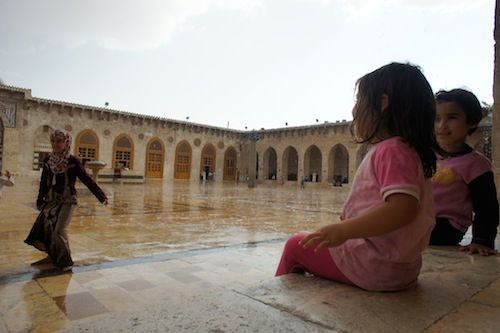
<point x="464" y="185"/>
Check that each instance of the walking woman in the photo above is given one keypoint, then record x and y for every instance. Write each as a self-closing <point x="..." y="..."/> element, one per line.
<point x="57" y="200"/>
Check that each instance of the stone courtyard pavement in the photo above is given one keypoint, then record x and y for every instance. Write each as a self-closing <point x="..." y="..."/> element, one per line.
<point x="200" y="257"/>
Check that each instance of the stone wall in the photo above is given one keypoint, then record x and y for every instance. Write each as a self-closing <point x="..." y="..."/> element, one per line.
<point x="28" y="121"/>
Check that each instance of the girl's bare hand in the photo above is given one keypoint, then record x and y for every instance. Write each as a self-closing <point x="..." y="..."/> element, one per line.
<point x="325" y="237"/>
<point x="482" y="250"/>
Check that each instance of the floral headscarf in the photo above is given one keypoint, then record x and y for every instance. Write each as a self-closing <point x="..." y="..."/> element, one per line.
<point x="58" y="162"/>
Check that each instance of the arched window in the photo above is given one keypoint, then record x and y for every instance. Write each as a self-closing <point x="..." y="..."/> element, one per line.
<point x="42" y="146"/>
<point x="87" y="146"/>
<point x="123" y="152"/>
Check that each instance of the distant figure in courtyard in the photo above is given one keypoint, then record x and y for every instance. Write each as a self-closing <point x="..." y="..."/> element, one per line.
<point x="464" y="184"/>
<point x="6" y="180"/>
<point x="57" y="198"/>
<point x="389" y="214"/>
<point x="117" y="172"/>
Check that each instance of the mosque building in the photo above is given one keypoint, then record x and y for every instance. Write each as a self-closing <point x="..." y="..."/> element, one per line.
<point x="137" y="146"/>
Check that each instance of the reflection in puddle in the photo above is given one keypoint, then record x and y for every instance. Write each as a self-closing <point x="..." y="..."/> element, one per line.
<point x="159" y="216"/>
<point x="80" y="305"/>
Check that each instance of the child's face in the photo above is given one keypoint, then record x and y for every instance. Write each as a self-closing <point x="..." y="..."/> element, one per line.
<point x="451" y="126"/>
<point x="57" y="144"/>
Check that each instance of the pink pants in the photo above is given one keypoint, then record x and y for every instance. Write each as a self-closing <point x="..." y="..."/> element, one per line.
<point x="296" y="259"/>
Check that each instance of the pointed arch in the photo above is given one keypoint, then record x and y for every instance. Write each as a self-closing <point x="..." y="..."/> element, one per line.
<point x="208" y="160"/>
<point x="290" y="163"/>
<point x="361" y="153"/>
<point x="270" y="164"/>
<point x="230" y="159"/>
<point x="338" y="165"/>
<point x="1" y="145"/>
<point x="313" y="164"/>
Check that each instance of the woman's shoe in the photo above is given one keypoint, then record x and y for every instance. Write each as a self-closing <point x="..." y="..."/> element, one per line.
<point x="65" y="268"/>
<point x="43" y="261"/>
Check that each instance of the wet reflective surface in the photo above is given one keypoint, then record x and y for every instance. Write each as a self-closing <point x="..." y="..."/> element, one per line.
<point x="194" y="257"/>
<point x="162" y="216"/>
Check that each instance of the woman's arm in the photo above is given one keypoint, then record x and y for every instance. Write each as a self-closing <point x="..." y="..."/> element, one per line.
<point x="83" y="175"/>
<point x="398" y="210"/>
<point x="8" y="180"/>
<point x="44" y="187"/>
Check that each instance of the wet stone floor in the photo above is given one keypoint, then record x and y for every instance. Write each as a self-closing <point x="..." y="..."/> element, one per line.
<point x="158" y="217"/>
<point x="147" y="224"/>
<point x="176" y="256"/>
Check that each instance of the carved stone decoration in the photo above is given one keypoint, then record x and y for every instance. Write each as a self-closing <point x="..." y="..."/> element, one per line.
<point x="68" y="128"/>
<point x="141" y="136"/>
<point x="220" y="145"/>
<point x="107" y="132"/>
<point x="8" y="114"/>
<point x="254" y="136"/>
<point x="197" y="142"/>
<point x="170" y="139"/>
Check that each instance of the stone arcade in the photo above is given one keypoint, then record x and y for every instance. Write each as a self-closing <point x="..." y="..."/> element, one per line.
<point x="142" y="146"/>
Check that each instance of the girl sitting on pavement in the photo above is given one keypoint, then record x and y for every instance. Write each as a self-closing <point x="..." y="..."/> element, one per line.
<point x="464" y="185"/>
<point x="389" y="214"/>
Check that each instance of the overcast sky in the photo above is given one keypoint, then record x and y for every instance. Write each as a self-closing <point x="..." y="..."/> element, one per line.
<point x="244" y="63"/>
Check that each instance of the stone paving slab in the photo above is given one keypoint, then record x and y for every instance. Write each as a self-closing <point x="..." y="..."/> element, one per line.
<point x="202" y="259"/>
<point x="455" y="293"/>
<point x="224" y="311"/>
<point x="451" y="282"/>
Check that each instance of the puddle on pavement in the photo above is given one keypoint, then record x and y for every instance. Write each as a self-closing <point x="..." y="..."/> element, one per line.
<point x="79" y="305"/>
<point x="169" y="216"/>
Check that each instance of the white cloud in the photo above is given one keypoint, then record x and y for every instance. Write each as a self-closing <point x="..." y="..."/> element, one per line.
<point x="133" y="25"/>
<point x="361" y="8"/>
<point x="114" y="24"/>
<point x="443" y="5"/>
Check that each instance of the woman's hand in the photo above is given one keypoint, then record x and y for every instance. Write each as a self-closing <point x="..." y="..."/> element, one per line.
<point x="105" y="202"/>
<point x="325" y="237"/>
<point x="482" y="250"/>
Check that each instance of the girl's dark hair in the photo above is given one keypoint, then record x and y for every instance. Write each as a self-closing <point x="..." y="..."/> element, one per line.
<point x="410" y="113"/>
<point x="467" y="101"/>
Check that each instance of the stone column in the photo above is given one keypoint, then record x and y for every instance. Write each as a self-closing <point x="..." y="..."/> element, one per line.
<point x="252" y="158"/>
<point x="495" y="140"/>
